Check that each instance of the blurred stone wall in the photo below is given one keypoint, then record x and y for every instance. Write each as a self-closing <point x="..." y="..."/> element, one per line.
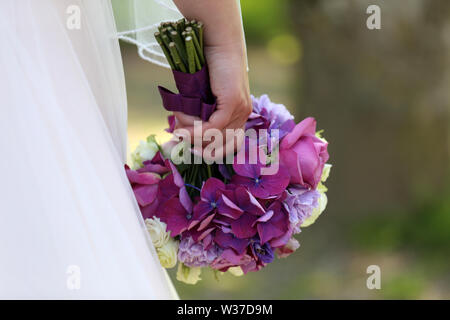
<point x="382" y="97"/>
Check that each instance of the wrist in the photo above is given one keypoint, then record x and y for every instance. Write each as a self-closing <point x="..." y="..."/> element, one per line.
<point x="232" y="54"/>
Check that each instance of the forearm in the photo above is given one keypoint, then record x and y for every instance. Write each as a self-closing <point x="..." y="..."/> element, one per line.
<point x="226" y="58"/>
<point x="221" y="19"/>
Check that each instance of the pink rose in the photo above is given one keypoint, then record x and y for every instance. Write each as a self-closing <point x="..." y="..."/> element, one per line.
<point x="304" y="154"/>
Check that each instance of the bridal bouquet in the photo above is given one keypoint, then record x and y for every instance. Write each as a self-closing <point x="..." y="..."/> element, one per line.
<point x="236" y="212"/>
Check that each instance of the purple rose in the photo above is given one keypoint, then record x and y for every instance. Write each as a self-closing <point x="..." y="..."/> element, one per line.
<point x="304" y="154"/>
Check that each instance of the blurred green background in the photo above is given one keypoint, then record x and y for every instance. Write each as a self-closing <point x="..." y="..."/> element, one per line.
<point x="383" y="98"/>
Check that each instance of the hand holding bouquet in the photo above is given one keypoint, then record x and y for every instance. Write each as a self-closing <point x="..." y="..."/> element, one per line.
<point x="234" y="213"/>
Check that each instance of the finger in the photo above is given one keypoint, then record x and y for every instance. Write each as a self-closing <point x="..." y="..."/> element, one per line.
<point x="233" y="141"/>
<point x="229" y="143"/>
<point x="185" y="120"/>
<point x="218" y="154"/>
<point x="219" y="119"/>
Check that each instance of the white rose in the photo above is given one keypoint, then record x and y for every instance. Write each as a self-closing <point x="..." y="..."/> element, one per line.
<point x="188" y="275"/>
<point x="236" y="271"/>
<point x="146" y="150"/>
<point x="167" y="254"/>
<point x="157" y="230"/>
<point x="323" y="200"/>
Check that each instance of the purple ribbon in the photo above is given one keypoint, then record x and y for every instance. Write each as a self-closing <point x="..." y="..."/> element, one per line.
<point x="194" y="98"/>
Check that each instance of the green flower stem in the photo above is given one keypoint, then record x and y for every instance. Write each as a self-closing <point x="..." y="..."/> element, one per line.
<point x="191" y="175"/>
<point x="200" y="34"/>
<point x="176" y="57"/>
<point x="209" y="171"/>
<point x="198" y="64"/>
<point x="191" y="54"/>
<point x="194" y="175"/>
<point x="181" y="24"/>
<point x="165" y="50"/>
<point x="199" y="50"/>
<point x="175" y="36"/>
<point x="169" y="29"/>
<point x="165" y="39"/>
<point x="182" y="43"/>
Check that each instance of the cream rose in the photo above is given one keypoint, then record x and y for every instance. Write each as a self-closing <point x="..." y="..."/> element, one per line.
<point x="188" y="275"/>
<point x="323" y="200"/>
<point x="167" y="254"/>
<point x="146" y="150"/>
<point x="236" y="271"/>
<point x="157" y="230"/>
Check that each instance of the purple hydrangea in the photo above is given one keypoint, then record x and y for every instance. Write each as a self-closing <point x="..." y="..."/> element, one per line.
<point x="300" y="202"/>
<point x="262" y="252"/>
<point x="276" y="113"/>
<point x="269" y="115"/>
<point x="194" y="254"/>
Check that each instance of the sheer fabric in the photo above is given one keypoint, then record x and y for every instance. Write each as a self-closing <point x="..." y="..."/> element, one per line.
<point x="70" y="227"/>
<point x="138" y="20"/>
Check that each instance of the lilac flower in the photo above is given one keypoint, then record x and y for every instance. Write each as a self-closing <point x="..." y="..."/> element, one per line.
<point x="273" y="224"/>
<point x="212" y="201"/>
<point x="172" y="203"/>
<point x="209" y="198"/>
<point x="144" y="184"/>
<point x="229" y="258"/>
<point x="177" y="218"/>
<point x="172" y="122"/>
<point x="300" y="202"/>
<point x="243" y="226"/>
<point x="157" y="165"/>
<point x="229" y="240"/>
<point x="194" y="254"/>
<point x="263" y="252"/>
<point x="274" y="112"/>
<point x="147" y="183"/>
<point x="269" y="115"/>
<point x="261" y="186"/>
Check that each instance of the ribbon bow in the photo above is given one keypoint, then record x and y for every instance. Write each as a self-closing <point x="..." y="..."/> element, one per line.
<point x="194" y="98"/>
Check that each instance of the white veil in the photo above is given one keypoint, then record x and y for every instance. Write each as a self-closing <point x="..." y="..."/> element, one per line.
<point x="138" y="20"/>
<point x="65" y="201"/>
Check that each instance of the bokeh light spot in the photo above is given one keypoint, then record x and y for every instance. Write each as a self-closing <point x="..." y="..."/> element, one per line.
<point x="285" y="49"/>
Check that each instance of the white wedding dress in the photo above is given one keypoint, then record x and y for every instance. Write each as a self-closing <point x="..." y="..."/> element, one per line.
<point x="70" y="227"/>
